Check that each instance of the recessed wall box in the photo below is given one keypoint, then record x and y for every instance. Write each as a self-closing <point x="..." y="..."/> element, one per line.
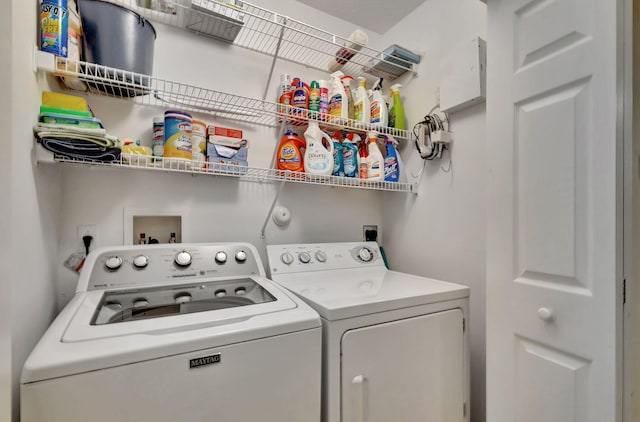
<point x="463" y="76"/>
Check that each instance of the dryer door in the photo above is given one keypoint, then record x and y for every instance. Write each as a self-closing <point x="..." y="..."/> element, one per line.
<point x="407" y="370"/>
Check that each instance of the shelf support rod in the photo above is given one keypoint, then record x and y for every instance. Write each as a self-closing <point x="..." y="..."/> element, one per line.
<point x="273" y="205"/>
<point x="275" y="58"/>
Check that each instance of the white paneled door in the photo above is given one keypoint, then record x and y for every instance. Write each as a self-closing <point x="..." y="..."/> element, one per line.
<point x="554" y="258"/>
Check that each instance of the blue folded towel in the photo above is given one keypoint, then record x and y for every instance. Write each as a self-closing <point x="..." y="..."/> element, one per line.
<point x="80" y="149"/>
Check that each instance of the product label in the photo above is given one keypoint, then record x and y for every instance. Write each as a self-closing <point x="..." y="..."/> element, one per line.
<point x="358" y="110"/>
<point x="314" y="99"/>
<point x="373" y="169"/>
<point x="324" y="101"/>
<point x="363" y="170"/>
<point x="375" y="112"/>
<point x="391" y="169"/>
<point x="335" y="105"/>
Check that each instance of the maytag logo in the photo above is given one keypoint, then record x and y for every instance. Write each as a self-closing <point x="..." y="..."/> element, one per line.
<point x="204" y="361"/>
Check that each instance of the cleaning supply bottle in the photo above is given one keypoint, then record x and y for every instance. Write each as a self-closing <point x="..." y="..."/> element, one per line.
<point x="300" y="99"/>
<point x="402" y="171"/>
<point x="375" y="161"/>
<point x="346" y="82"/>
<point x="391" y="168"/>
<point x="318" y="159"/>
<point x="290" y="153"/>
<point x="362" y="160"/>
<point x="362" y="106"/>
<point x="324" y="99"/>
<point x="396" y="111"/>
<point x="338" y="155"/>
<point x="379" y="115"/>
<point x="350" y="154"/>
<point x="338" y="101"/>
<point x="284" y="95"/>
<point x="314" y="99"/>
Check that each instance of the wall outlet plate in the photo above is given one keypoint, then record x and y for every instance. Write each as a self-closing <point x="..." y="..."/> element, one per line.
<point x="370" y="233"/>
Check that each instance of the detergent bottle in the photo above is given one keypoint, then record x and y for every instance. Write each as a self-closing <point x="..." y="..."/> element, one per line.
<point x="375" y="161"/>
<point x="317" y="158"/>
<point x="338" y="155"/>
<point x="362" y="106"/>
<point x="396" y="111"/>
<point x="362" y="160"/>
<point x="346" y="82"/>
<point x="290" y="153"/>
<point x="300" y="99"/>
<point x="391" y="168"/>
<point x="338" y="101"/>
<point x="314" y="99"/>
<point x="379" y="116"/>
<point x="350" y="154"/>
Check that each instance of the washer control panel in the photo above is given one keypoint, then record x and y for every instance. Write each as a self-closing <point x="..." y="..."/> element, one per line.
<point x="285" y="259"/>
<point x="146" y="265"/>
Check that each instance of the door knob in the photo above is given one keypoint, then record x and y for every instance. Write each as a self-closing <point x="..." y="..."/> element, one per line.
<point x="545" y="314"/>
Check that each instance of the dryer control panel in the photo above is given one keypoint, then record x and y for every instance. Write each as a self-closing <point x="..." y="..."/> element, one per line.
<point x="147" y="265"/>
<point x="285" y="259"/>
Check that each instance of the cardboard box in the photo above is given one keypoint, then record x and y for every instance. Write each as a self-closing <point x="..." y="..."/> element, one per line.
<point x="221" y="157"/>
<point x="225" y="136"/>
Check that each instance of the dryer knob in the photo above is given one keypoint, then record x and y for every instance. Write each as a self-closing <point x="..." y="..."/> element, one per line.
<point x="113" y="262"/>
<point x="365" y="254"/>
<point x="138" y="303"/>
<point x="182" y="297"/>
<point x="304" y="257"/>
<point x="221" y="257"/>
<point x="140" y="261"/>
<point x="183" y="259"/>
<point x="321" y="256"/>
<point x="241" y="256"/>
<point x="286" y="258"/>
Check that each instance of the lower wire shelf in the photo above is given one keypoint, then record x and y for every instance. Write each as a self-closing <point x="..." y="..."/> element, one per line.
<point x="176" y="165"/>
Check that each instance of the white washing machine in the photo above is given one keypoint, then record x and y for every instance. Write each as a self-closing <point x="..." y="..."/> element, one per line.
<point x="395" y="346"/>
<point x="191" y="332"/>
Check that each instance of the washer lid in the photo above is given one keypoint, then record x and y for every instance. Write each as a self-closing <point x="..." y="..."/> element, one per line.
<point x="339" y="294"/>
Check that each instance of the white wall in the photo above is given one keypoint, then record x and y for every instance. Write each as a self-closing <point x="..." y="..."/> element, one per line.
<point x="5" y="210"/>
<point x="219" y="209"/>
<point x="440" y="233"/>
<point x="33" y="200"/>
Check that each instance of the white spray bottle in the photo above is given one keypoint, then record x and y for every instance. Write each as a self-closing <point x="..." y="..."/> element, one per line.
<point x="318" y="159"/>
<point x="362" y="105"/>
<point x="379" y="113"/>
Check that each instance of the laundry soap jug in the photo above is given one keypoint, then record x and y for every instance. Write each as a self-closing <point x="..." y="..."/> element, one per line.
<point x="350" y="154"/>
<point x="318" y="159"/>
<point x="290" y="152"/>
<point x="338" y="101"/>
<point x="362" y="106"/>
<point x="338" y="155"/>
<point x="375" y="161"/>
<point x="379" y="115"/>
<point x="396" y="110"/>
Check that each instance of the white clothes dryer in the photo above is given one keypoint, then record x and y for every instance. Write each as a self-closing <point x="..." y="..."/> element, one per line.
<point x="176" y="332"/>
<point x="395" y="346"/>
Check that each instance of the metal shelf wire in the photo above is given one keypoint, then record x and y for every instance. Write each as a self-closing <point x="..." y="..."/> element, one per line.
<point x="148" y="90"/>
<point x="267" y="32"/>
<point x="250" y="174"/>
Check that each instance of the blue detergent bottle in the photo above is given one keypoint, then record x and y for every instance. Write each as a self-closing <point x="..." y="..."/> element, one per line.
<point x="391" y="168"/>
<point x="338" y="158"/>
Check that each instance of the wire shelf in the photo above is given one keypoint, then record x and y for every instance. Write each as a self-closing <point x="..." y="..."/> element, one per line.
<point x="264" y="31"/>
<point x="251" y="174"/>
<point x="148" y="90"/>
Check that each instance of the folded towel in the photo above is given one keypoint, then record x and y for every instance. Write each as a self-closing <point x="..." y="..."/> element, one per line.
<point x="50" y="127"/>
<point x="80" y="149"/>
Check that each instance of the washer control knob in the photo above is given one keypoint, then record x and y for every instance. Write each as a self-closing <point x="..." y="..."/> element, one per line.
<point x="140" y="261"/>
<point x="304" y="257"/>
<point x="221" y="257"/>
<point x="321" y="256"/>
<point x="113" y="262"/>
<point x="241" y="256"/>
<point x="183" y="259"/>
<point x="241" y="291"/>
<point x="182" y="297"/>
<point x="220" y="293"/>
<point x="365" y="254"/>
<point x="286" y="258"/>
<point x="139" y="303"/>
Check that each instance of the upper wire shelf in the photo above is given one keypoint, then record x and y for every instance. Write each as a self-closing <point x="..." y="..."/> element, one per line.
<point x="251" y="174"/>
<point x="267" y="32"/>
<point x="148" y="90"/>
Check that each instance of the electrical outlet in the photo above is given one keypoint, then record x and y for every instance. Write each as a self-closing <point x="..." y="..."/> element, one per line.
<point x="370" y="233"/>
<point x="87" y="230"/>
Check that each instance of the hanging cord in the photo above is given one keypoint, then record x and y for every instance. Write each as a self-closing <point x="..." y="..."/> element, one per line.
<point x="427" y="149"/>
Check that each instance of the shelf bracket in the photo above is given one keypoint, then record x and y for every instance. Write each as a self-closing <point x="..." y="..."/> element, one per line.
<point x="275" y="58"/>
<point x="273" y="205"/>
